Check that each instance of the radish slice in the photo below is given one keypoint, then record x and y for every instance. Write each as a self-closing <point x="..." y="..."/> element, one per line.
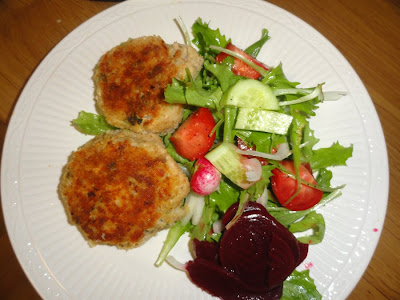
<point x="206" y="178"/>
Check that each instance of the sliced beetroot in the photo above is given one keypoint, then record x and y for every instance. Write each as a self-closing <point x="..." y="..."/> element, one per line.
<point x="243" y="250"/>
<point x="230" y="213"/>
<point x="303" y="250"/>
<point x="285" y="235"/>
<point x="282" y="261"/>
<point x="213" y="278"/>
<point x="219" y="282"/>
<point x="254" y="256"/>
<point x="205" y="250"/>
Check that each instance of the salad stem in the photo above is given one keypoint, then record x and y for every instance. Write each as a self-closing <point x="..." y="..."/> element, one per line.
<point x="317" y="92"/>
<point x="184" y="30"/>
<point x="230" y="117"/>
<point x="172" y="238"/>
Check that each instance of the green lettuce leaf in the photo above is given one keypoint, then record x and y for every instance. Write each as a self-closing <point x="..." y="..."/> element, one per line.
<point x="313" y="221"/>
<point x="189" y="165"/>
<point x="175" y="92"/>
<point x="287" y="217"/>
<point x="197" y="96"/>
<point x="277" y="79"/>
<point x="255" y="48"/>
<point x="335" y="155"/>
<point x="306" y="108"/>
<point x="309" y="141"/>
<point x="224" y="197"/>
<point x="204" y="36"/>
<point x="223" y="74"/>
<point x="300" y="286"/>
<point x="173" y="236"/>
<point x="91" y="124"/>
<point x="296" y="136"/>
<point x="324" y="178"/>
<point x="192" y="93"/>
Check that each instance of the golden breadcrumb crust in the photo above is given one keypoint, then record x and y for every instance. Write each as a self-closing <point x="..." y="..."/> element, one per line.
<point x="130" y="80"/>
<point x="121" y="188"/>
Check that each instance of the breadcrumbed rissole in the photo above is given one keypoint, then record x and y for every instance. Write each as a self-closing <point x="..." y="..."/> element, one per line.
<point x="121" y="188"/>
<point x="130" y="80"/>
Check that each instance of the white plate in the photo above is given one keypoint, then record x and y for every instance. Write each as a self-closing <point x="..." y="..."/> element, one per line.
<point x="53" y="253"/>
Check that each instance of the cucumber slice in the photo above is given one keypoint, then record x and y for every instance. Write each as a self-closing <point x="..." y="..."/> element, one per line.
<point x="250" y="93"/>
<point x="263" y="120"/>
<point x="225" y="158"/>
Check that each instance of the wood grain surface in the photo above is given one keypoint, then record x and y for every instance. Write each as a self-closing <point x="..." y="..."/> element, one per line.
<point x="367" y="32"/>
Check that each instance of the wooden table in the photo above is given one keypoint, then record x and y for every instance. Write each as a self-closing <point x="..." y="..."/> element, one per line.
<point x="365" y="31"/>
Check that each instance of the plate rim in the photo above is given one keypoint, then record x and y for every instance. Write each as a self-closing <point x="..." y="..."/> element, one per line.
<point x="13" y="133"/>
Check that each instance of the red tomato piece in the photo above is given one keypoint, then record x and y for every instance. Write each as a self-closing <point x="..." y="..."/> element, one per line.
<point x="192" y="139"/>
<point x="240" y="67"/>
<point x="284" y="187"/>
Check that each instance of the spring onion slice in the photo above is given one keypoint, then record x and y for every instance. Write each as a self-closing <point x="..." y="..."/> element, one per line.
<point x="175" y="263"/>
<point x="334" y="95"/>
<point x="327" y="96"/>
<point x="282" y="153"/>
<point x="184" y="30"/>
<point x="291" y="91"/>
<point x="317" y="92"/>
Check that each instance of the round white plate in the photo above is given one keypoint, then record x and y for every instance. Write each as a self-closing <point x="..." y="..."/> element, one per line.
<point x="54" y="255"/>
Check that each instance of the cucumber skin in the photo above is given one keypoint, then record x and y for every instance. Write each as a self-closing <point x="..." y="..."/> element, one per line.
<point x="225" y="158"/>
<point x="235" y="94"/>
<point x="263" y="120"/>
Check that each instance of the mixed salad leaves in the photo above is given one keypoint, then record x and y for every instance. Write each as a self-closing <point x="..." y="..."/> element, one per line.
<point x="246" y="137"/>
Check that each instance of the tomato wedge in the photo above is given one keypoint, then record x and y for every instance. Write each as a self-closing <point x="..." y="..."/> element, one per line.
<point x="285" y="187"/>
<point x="193" y="138"/>
<point x="240" y="67"/>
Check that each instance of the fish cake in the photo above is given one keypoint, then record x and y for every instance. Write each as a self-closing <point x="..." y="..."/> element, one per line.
<point x="130" y="80"/>
<point x="121" y="188"/>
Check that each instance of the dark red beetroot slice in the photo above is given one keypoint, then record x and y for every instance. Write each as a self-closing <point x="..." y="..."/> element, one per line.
<point x="282" y="262"/>
<point x="246" y="269"/>
<point x="219" y="282"/>
<point x="303" y="250"/>
<point x="240" y="247"/>
<point x="299" y="250"/>
<point x="230" y="213"/>
<point x="206" y="250"/>
<point x="212" y="278"/>
<point x="244" y="250"/>
<point x="299" y="254"/>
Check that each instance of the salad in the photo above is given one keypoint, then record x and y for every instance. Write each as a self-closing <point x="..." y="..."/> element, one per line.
<point x="256" y="180"/>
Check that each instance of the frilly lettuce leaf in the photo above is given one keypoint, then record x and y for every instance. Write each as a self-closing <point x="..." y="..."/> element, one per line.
<point x="335" y="155"/>
<point x="91" y="124"/>
<point x="204" y="36"/>
<point x="300" y="286"/>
